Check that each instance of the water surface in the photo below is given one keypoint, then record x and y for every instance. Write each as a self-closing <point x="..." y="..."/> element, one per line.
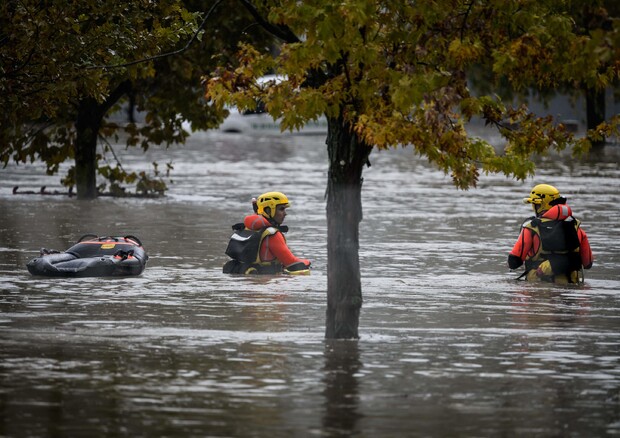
<point x="451" y="344"/>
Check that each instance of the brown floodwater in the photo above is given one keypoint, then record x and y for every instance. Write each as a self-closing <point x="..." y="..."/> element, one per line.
<point x="451" y="344"/>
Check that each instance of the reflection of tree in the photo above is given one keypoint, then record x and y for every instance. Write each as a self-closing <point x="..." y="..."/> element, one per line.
<point x="541" y="305"/>
<point x="550" y="350"/>
<point x="341" y="387"/>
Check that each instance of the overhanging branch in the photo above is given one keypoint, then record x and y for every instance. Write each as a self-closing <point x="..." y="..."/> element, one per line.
<point x="163" y="55"/>
<point x="282" y="32"/>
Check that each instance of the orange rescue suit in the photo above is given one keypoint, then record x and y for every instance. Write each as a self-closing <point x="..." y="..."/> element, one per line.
<point x="530" y="248"/>
<point x="274" y="246"/>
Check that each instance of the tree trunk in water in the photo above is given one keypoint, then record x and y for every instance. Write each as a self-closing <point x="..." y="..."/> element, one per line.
<point x="87" y="129"/>
<point x="347" y="157"/>
<point x="89" y="119"/>
<point x="595" y="110"/>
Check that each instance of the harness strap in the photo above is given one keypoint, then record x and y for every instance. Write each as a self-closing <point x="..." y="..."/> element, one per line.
<point x="522" y="275"/>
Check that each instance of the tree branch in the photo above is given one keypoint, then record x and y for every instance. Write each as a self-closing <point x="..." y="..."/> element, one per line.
<point x="469" y="9"/>
<point x="123" y="88"/>
<point x="282" y="32"/>
<point x="166" y="54"/>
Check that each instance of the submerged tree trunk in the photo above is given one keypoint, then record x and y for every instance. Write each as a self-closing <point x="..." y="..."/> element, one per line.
<point x="347" y="157"/>
<point x="595" y="110"/>
<point x="87" y="128"/>
<point x="89" y="119"/>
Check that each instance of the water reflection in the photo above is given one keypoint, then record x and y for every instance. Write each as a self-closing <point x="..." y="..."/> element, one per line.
<point x="342" y="398"/>
<point x="542" y="305"/>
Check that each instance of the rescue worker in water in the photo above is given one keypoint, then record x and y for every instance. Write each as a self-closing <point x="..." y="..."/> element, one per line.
<point x="258" y="245"/>
<point x="552" y="243"/>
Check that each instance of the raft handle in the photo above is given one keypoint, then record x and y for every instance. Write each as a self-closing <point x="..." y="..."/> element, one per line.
<point x="134" y="238"/>
<point x="90" y="237"/>
<point x="108" y="238"/>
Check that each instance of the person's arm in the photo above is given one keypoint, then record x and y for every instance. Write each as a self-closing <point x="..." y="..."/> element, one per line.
<point x="521" y="248"/>
<point x="277" y="245"/>
<point x="584" y="249"/>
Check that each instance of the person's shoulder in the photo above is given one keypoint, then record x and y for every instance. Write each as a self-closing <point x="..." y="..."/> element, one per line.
<point x="558" y="212"/>
<point x="271" y="230"/>
<point x="255" y="222"/>
<point x="530" y="222"/>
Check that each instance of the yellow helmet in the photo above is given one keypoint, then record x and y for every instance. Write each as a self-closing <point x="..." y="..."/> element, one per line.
<point x="542" y="197"/>
<point x="271" y="200"/>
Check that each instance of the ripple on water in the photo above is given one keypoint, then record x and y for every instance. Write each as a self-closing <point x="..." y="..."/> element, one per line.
<point x="449" y="340"/>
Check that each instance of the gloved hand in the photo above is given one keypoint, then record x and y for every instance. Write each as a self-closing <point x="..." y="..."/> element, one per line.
<point x="544" y="269"/>
<point x="299" y="268"/>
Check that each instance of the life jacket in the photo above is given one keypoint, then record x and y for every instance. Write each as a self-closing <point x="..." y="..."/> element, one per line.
<point x="559" y="244"/>
<point x="244" y="250"/>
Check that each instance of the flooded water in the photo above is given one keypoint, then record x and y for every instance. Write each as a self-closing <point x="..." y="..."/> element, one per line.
<point x="451" y="344"/>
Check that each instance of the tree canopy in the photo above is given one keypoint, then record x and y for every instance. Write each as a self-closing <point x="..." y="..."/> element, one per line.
<point x="586" y="62"/>
<point x="52" y="54"/>
<point x="65" y="66"/>
<point x="398" y="73"/>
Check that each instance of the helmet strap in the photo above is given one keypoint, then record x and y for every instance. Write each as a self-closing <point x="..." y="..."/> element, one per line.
<point x="269" y="218"/>
<point x="538" y="209"/>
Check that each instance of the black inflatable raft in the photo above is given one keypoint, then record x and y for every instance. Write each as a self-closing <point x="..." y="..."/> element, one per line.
<point x="93" y="256"/>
